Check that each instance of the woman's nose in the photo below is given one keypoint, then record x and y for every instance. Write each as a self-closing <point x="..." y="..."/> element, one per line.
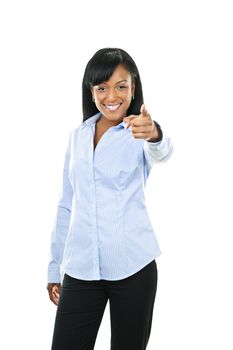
<point x="112" y="94"/>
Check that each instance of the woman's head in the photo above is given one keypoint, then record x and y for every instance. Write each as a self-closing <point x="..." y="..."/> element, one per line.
<point x="111" y="85"/>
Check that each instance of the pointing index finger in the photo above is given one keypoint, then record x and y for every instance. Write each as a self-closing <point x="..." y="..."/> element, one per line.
<point x="143" y="110"/>
<point x="128" y="119"/>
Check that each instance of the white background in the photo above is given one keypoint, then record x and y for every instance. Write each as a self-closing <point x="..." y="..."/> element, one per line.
<point x="183" y="50"/>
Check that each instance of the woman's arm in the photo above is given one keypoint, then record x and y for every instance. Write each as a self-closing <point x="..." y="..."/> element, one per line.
<point x="159" y="150"/>
<point x="61" y="223"/>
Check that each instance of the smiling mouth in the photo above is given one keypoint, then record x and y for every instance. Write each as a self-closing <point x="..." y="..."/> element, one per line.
<point x="112" y="107"/>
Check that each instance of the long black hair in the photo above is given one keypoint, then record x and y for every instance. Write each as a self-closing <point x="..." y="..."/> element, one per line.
<point x="99" y="69"/>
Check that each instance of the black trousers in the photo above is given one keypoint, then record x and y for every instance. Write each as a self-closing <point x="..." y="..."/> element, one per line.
<point x="82" y="303"/>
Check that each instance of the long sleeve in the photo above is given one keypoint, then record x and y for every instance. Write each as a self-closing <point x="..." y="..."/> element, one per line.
<point x="157" y="151"/>
<point x="61" y="223"/>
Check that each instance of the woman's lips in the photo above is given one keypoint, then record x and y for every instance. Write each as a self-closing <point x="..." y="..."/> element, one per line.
<point x="112" y="107"/>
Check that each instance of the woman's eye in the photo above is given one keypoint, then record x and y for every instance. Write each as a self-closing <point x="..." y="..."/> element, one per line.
<point x="103" y="89"/>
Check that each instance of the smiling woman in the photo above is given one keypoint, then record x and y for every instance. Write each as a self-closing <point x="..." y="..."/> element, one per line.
<point x="103" y="246"/>
<point x="115" y="95"/>
<point x="111" y="77"/>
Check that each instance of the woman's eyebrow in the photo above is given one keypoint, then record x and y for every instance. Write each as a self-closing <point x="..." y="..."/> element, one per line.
<point x="105" y="82"/>
<point x="121" y="81"/>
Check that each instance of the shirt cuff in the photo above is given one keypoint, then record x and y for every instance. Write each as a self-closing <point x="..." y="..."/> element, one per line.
<point x="53" y="274"/>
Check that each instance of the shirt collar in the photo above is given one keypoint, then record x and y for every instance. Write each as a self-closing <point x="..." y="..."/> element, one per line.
<point x="92" y="120"/>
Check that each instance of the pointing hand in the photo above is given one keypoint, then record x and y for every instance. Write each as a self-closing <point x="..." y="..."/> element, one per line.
<point x="142" y="126"/>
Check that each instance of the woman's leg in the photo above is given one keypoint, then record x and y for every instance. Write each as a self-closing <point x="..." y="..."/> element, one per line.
<point x="131" y="302"/>
<point x="79" y="314"/>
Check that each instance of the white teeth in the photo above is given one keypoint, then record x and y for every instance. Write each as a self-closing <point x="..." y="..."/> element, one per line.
<point x="112" y="107"/>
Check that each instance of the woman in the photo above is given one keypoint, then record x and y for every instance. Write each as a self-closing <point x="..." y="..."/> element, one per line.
<point x="103" y="246"/>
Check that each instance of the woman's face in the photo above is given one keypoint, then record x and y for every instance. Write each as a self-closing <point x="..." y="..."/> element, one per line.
<point x="113" y="97"/>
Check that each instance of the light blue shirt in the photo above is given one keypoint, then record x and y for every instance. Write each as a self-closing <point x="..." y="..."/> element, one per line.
<point x="102" y="229"/>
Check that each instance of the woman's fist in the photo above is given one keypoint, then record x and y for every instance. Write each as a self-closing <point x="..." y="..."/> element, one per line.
<point x="54" y="292"/>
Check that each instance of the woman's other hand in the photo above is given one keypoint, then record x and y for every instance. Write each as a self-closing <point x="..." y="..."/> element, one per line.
<point x="54" y="292"/>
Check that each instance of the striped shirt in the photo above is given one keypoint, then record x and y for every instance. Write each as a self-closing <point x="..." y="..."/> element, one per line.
<point x="102" y="229"/>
